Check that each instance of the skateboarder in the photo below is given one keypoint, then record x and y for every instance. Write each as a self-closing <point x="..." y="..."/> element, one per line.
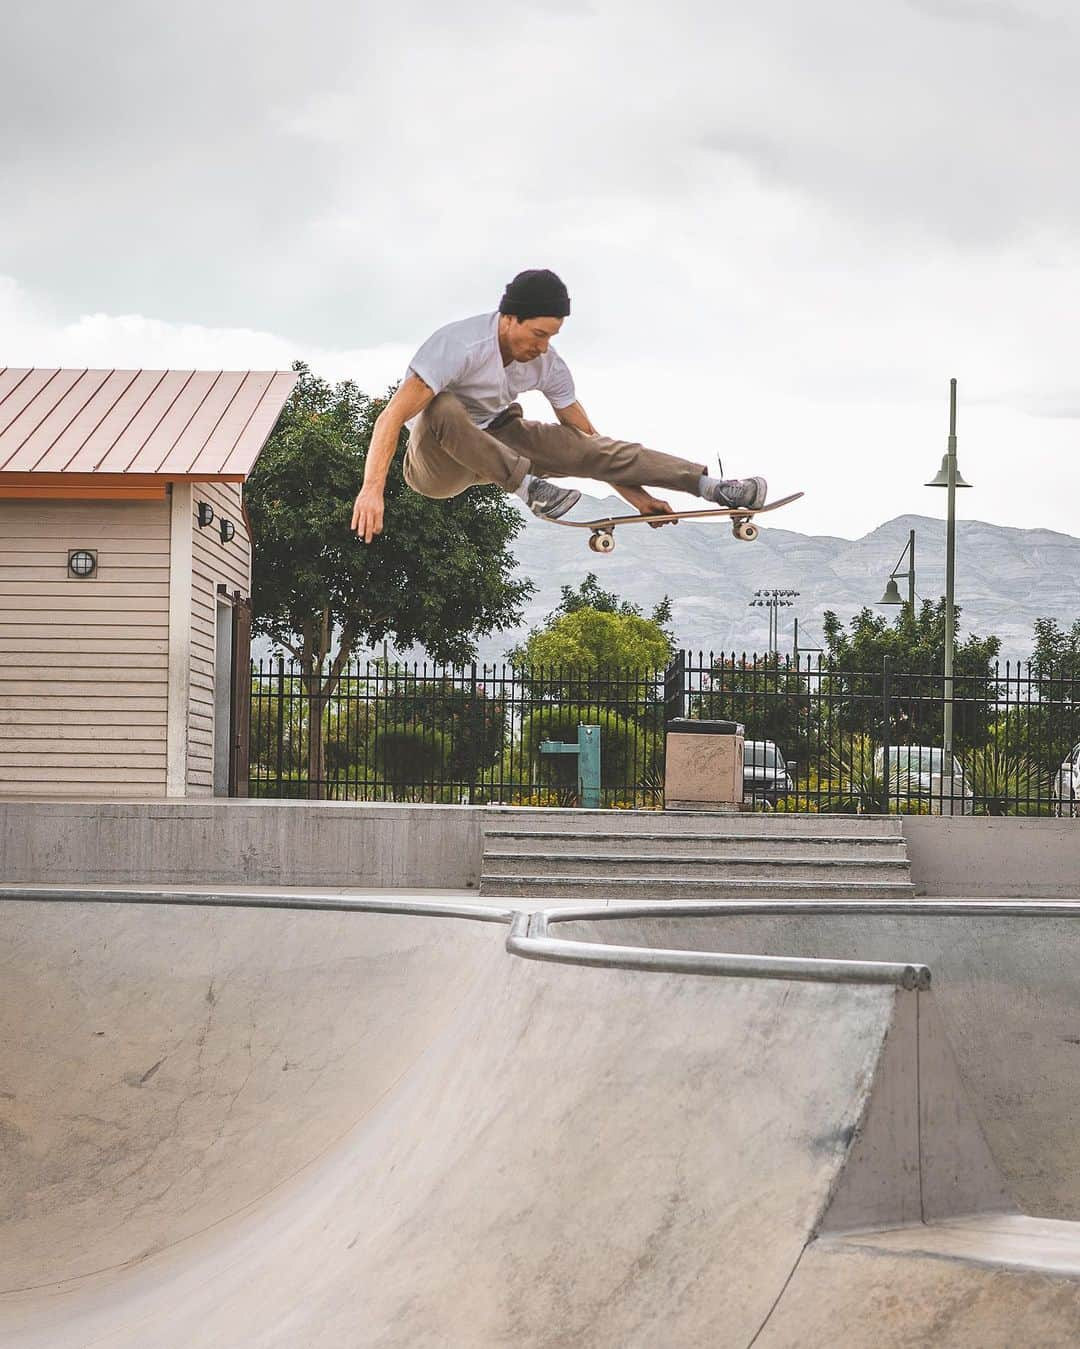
<point x="457" y="399"/>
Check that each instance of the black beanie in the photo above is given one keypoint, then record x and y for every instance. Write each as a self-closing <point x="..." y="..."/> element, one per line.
<point x="535" y="294"/>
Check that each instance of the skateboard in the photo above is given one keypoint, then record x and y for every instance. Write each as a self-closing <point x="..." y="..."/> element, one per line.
<point x="602" y="537"/>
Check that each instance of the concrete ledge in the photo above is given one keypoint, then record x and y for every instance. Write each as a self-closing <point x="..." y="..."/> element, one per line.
<point x="300" y="843"/>
<point x="249" y="842"/>
<point x="986" y="856"/>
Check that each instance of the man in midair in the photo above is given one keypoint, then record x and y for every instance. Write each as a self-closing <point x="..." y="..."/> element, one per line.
<point x="457" y="399"/>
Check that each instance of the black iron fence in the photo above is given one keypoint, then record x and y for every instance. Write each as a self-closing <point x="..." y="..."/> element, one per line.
<point x="817" y="739"/>
<point x="423" y="732"/>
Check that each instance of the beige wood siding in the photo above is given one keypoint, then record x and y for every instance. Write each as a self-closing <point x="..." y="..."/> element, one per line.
<point x="83" y="663"/>
<point x="213" y="563"/>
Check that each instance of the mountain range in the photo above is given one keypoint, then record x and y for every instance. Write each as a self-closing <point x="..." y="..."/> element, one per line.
<point x="1005" y="578"/>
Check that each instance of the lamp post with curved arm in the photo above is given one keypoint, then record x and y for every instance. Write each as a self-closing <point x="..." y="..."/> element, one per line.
<point x="892" y="594"/>
<point x="948" y="476"/>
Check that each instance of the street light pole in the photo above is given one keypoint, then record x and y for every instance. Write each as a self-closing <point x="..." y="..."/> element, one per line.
<point x="950" y="580"/>
<point x="949" y="477"/>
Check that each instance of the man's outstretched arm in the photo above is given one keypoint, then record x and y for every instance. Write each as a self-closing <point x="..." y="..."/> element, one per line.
<point x="412" y="396"/>
<point x="642" y="501"/>
<point x="576" y="416"/>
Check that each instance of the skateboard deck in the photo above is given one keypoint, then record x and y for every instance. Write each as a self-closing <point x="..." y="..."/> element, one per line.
<point x="602" y="537"/>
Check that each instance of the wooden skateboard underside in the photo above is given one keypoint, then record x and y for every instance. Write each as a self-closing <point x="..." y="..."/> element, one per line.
<point x="602" y="537"/>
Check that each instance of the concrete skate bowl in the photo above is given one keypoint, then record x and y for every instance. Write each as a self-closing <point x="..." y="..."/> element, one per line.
<point x="1006" y="982"/>
<point x="224" y="1127"/>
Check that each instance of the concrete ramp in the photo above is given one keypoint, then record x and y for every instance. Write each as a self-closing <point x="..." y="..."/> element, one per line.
<point x="1006" y="985"/>
<point x="258" y="1130"/>
<point x="164" y="1069"/>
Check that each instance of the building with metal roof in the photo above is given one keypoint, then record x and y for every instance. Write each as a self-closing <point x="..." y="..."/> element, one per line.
<point x="125" y="578"/>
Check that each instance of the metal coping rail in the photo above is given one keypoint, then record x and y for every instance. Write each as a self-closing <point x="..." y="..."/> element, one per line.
<point x="528" y="938"/>
<point x="740" y="908"/>
<point x="482" y="913"/>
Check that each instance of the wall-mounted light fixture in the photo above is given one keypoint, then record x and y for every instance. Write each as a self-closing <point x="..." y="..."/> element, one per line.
<point x="206" y="514"/>
<point x="82" y="562"/>
<point x="228" y="530"/>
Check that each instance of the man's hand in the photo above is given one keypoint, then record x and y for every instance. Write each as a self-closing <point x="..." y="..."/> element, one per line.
<point x="647" y="504"/>
<point x="367" y="516"/>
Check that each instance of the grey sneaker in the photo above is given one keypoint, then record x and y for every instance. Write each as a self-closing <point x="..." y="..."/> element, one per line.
<point x="550" y="502"/>
<point x="740" y="492"/>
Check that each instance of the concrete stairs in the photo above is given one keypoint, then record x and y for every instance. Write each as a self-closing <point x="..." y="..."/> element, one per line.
<point x="654" y="855"/>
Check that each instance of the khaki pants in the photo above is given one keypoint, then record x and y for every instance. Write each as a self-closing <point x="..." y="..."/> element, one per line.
<point x="448" y="453"/>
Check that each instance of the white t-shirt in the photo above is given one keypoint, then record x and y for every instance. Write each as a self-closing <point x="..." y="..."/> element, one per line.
<point x="464" y="359"/>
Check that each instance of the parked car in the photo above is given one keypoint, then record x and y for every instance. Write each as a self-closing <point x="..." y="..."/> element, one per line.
<point x="917" y="772"/>
<point x="766" y="773"/>
<point x="1067" y="785"/>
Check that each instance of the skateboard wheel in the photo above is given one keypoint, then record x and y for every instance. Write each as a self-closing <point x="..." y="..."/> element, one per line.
<point x="601" y="542"/>
<point x="746" y="531"/>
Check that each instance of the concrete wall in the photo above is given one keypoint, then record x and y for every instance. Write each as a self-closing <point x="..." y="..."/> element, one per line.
<point x="977" y="856"/>
<point x="258" y="842"/>
<point x="208" y="842"/>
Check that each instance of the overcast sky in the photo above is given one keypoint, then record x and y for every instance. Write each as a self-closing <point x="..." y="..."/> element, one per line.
<point x="784" y="224"/>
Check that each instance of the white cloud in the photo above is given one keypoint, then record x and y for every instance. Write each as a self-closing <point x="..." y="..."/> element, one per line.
<point x="784" y="227"/>
<point x="31" y="334"/>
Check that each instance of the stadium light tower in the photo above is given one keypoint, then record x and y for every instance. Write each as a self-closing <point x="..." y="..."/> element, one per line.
<point x="774" y="600"/>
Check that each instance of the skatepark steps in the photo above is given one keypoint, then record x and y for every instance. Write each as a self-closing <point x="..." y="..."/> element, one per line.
<point x="707" y="866"/>
<point x="229" y="1127"/>
<point x="887" y="847"/>
<point x="770" y="855"/>
<point x="619" y="886"/>
<point x="767" y="824"/>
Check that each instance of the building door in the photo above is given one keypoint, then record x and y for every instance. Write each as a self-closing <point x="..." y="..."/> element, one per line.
<point x="223" y="665"/>
<point x="240" y="686"/>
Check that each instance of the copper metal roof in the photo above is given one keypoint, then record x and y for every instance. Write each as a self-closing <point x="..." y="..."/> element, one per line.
<point x="168" y="424"/>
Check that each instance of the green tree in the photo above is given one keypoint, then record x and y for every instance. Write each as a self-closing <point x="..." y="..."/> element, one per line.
<point x="277" y="727"/>
<point x="438" y="576"/>
<point x="1056" y="651"/>
<point x="915" y="647"/>
<point x="590" y="639"/>
<point x="1040" y="720"/>
<point x="593" y="628"/>
<point x="408" y="758"/>
<point x="472" y="723"/>
<point x="591" y="595"/>
<point x="597" y="660"/>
